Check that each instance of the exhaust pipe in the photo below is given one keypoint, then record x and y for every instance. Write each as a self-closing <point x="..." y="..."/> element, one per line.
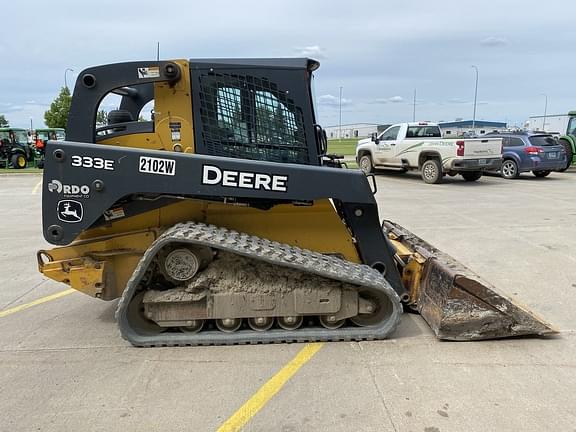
<point x="455" y="302"/>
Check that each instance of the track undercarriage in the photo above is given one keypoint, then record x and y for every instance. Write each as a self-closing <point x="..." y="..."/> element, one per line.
<point x="203" y="285"/>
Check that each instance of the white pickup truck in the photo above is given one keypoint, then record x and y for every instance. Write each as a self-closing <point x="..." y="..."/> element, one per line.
<point x="420" y="146"/>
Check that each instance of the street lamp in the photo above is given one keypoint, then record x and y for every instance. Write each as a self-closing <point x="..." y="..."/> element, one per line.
<point x="65" y="72"/>
<point x="414" y="107"/>
<point x="340" y="117"/>
<point x="475" y="98"/>
<point x="545" y="109"/>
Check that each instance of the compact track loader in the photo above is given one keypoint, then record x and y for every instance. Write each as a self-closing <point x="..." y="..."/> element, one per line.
<point x="223" y="220"/>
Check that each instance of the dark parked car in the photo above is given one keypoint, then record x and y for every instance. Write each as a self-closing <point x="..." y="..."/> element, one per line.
<point x="530" y="151"/>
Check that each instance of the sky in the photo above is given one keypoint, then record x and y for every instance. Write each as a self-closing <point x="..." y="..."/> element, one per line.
<point x="378" y="52"/>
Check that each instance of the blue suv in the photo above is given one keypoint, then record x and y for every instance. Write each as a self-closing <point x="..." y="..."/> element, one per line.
<point x="525" y="151"/>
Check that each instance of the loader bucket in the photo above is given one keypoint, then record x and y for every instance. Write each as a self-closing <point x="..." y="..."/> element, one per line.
<point x="455" y="302"/>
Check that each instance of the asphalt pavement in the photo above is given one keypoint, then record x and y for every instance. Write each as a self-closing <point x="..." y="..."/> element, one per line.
<point x="64" y="366"/>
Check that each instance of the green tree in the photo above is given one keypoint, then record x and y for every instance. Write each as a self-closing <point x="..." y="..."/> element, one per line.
<point x="57" y="115"/>
<point x="101" y="118"/>
<point x="3" y="121"/>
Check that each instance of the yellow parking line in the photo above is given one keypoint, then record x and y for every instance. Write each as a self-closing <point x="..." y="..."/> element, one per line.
<point x="35" y="302"/>
<point x="268" y="390"/>
<point x="38" y="185"/>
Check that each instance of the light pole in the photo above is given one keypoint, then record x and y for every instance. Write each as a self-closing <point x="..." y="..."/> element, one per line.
<point x="475" y="98"/>
<point x="414" y="107"/>
<point x="65" y="72"/>
<point x="545" y="109"/>
<point x="340" y="117"/>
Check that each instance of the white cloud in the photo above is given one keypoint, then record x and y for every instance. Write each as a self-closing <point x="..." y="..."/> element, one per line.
<point x="333" y="101"/>
<point x="457" y="101"/>
<point x="493" y="41"/>
<point x="313" y="51"/>
<point x="393" y="99"/>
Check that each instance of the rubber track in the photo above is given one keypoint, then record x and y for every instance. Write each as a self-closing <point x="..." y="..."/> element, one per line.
<point x="273" y="253"/>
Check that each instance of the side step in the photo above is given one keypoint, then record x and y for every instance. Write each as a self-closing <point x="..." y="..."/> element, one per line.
<point x="456" y="303"/>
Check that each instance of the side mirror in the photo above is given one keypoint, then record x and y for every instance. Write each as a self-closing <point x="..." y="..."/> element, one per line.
<point x="321" y="140"/>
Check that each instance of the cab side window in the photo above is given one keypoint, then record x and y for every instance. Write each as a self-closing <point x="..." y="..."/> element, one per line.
<point x="390" y="134"/>
<point x="572" y="127"/>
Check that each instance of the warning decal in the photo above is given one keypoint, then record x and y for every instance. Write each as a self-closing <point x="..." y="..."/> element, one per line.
<point x="148" y="72"/>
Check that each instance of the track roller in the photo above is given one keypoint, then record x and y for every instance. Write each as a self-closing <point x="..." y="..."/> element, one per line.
<point x="260" y="323"/>
<point x="331" y="322"/>
<point x="228" y="325"/>
<point x="290" y="322"/>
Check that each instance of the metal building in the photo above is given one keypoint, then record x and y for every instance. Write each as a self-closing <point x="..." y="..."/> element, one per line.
<point x="355" y="130"/>
<point x="459" y="128"/>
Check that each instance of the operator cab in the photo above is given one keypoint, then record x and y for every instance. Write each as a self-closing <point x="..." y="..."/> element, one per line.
<point x="259" y="109"/>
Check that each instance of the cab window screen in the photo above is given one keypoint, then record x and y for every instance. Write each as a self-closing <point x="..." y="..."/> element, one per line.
<point x="250" y="118"/>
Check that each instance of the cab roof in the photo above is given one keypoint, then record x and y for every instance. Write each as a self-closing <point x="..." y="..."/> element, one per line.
<point x="283" y="63"/>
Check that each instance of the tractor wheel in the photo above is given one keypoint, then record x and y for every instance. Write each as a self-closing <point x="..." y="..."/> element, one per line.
<point x="569" y="154"/>
<point x="18" y="161"/>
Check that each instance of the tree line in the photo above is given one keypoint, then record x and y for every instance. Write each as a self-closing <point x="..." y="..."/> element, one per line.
<point x="57" y="115"/>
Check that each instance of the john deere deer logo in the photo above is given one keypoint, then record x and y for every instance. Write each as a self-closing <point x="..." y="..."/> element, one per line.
<point x="70" y="211"/>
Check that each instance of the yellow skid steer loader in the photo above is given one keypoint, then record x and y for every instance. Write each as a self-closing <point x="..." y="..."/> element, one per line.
<point x="222" y="220"/>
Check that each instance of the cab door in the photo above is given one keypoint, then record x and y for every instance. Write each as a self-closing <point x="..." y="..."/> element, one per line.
<point x="385" y="148"/>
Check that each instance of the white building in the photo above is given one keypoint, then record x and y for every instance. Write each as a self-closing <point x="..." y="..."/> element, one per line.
<point x="355" y="130"/>
<point x="481" y="127"/>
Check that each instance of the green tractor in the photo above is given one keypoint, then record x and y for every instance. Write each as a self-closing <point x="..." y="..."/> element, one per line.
<point x="568" y="140"/>
<point x="53" y="134"/>
<point x="562" y="124"/>
<point x="14" y="148"/>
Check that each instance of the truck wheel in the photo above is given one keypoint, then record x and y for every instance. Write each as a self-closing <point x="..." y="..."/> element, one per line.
<point x="18" y="161"/>
<point x="569" y="154"/>
<point x="432" y="171"/>
<point x="365" y="164"/>
<point x="471" y="176"/>
<point x="509" y="169"/>
<point x="540" y="173"/>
